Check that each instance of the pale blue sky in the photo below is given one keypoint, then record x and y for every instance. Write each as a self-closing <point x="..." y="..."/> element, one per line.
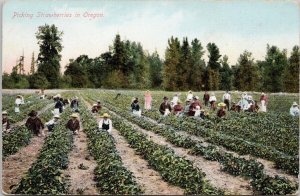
<point x="233" y="25"/>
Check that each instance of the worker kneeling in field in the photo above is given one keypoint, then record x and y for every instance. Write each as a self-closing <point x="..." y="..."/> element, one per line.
<point x="135" y="107"/>
<point x="73" y="124"/>
<point x="34" y="123"/>
<point x="50" y="124"/>
<point x="221" y="112"/>
<point x="178" y="109"/>
<point x="94" y="108"/>
<point x="105" y="123"/>
<point x="165" y="107"/>
<point x="5" y="122"/>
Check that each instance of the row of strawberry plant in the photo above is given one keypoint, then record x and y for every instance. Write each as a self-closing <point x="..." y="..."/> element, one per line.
<point x="206" y="130"/>
<point x="233" y="165"/>
<point x="275" y="132"/>
<point x="19" y="137"/>
<point x="110" y="174"/>
<point x="174" y="169"/>
<point x="45" y="175"/>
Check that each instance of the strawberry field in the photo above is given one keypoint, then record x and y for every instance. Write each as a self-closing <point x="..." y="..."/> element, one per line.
<point x="241" y="154"/>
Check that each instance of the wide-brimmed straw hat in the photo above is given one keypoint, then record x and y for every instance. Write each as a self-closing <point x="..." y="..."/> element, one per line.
<point x="56" y="116"/>
<point x="4" y="113"/>
<point x="295" y="103"/>
<point x="105" y="115"/>
<point x="74" y="115"/>
<point x="221" y="104"/>
<point x="94" y="104"/>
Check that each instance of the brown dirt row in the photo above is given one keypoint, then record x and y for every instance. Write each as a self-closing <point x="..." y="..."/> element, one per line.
<point x="149" y="179"/>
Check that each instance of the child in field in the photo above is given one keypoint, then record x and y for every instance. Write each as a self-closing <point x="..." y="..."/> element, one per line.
<point x="18" y="102"/>
<point x="263" y="101"/>
<point x="178" y="109"/>
<point x="94" y="108"/>
<point x="212" y="101"/>
<point x="190" y="95"/>
<point x="206" y="98"/>
<point x="99" y="105"/>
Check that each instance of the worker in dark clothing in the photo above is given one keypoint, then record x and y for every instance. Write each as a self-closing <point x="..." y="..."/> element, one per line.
<point x="34" y="123"/>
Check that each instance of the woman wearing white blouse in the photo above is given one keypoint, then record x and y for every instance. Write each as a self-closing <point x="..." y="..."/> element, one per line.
<point x="105" y="123"/>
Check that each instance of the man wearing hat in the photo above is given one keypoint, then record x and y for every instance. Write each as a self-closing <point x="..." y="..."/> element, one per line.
<point x="105" y="123"/>
<point x="34" y="123"/>
<point x="73" y="124"/>
<point x="50" y="124"/>
<point x="94" y="108"/>
<point x="165" y="107"/>
<point x="294" y="110"/>
<point x="221" y="112"/>
<point x="5" y="122"/>
<point x="75" y="104"/>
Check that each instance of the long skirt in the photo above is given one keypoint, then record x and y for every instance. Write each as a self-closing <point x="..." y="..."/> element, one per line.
<point x="263" y="107"/>
<point x="148" y="103"/>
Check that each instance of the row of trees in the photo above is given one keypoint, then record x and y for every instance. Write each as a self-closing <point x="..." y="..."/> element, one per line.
<point x="127" y="65"/>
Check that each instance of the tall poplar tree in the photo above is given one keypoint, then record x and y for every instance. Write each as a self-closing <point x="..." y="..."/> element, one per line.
<point x="49" y="40"/>
<point x="291" y="72"/>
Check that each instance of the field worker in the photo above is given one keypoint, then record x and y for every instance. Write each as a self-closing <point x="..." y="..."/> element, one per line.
<point x="50" y="124"/>
<point x="227" y="99"/>
<point x="34" y="123"/>
<point x="212" y="101"/>
<point x="243" y="103"/>
<point x="66" y="101"/>
<point x="17" y="104"/>
<point x="221" y="112"/>
<point x="187" y="107"/>
<point x="148" y="100"/>
<point x="178" y="108"/>
<point x="204" y="114"/>
<point x="234" y="107"/>
<point x="165" y="107"/>
<point x="99" y="107"/>
<point x="22" y="100"/>
<point x="197" y="111"/>
<point x="190" y="95"/>
<point x="94" y="108"/>
<point x="206" y="98"/>
<point x="75" y="104"/>
<point x="263" y="102"/>
<point x="193" y="106"/>
<point x="73" y="124"/>
<point x="5" y="122"/>
<point x="58" y="106"/>
<point x="294" y="110"/>
<point x="175" y="99"/>
<point x="135" y="108"/>
<point x="105" y="123"/>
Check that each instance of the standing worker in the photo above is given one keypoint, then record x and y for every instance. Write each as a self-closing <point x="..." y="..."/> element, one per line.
<point x="148" y="100"/>
<point x="212" y="101"/>
<point x="206" y="98"/>
<point x="18" y="102"/>
<point x="227" y="99"/>
<point x="263" y="101"/>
